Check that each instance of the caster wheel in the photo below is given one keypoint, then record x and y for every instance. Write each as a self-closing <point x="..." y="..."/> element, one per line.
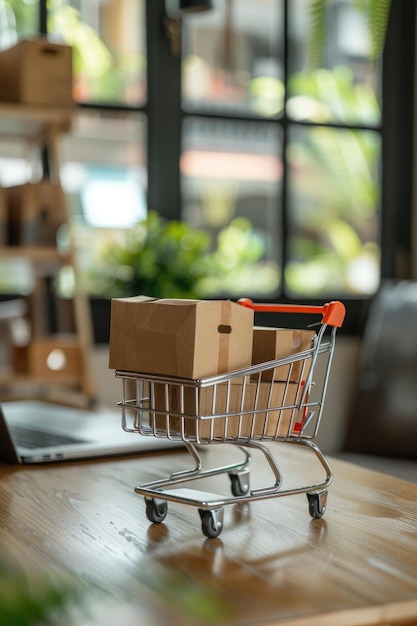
<point x="317" y="504"/>
<point x="211" y="523"/>
<point x="239" y="484"/>
<point x="156" y="510"/>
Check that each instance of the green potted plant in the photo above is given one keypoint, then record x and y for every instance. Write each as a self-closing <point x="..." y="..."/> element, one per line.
<point x="170" y="259"/>
<point x="157" y="257"/>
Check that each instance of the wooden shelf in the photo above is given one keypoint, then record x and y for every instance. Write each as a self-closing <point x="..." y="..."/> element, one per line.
<point x="42" y="126"/>
<point x="11" y="379"/>
<point x="20" y="121"/>
<point x="35" y="253"/>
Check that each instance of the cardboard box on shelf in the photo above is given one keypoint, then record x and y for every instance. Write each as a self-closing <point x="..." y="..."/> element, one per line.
<point x="35" y="213"/>
<point x="52" y="358"/>
<point x="36" y="71"/>
<point x="238" y="400"/>
<point x="12" y="323"/>
<point x="191" y="339"/>
<point x="270" y="344"/>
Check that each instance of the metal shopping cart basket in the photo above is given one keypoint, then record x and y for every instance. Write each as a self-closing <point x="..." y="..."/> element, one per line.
<point x="279" y="400"/>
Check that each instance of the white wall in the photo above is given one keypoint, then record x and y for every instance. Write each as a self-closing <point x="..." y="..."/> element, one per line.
<point x="337" y="407"/>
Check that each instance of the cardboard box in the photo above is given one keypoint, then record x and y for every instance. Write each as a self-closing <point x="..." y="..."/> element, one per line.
<point x="35" y="71"/>
<point x="271" y="395"/>
<point x="176" y="399"/>
<point x="52" y="358"/>
<point x="244" y="400"/>
<point x="36" y="212"/>
<point x="270" y="344"/>
<point x="187" y="338"/>
<point x="13" y="326"/>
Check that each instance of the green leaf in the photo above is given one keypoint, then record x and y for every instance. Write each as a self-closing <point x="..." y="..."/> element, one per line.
<point x="317" y="12"/>
<point x="377" y="16"/>
<point x="378" y="23"/>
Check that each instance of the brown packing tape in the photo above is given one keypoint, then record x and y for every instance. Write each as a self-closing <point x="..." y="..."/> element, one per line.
<point x="224" y="330"/>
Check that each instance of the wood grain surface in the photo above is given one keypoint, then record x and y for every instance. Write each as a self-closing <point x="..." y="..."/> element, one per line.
<point x="272" y="564"/>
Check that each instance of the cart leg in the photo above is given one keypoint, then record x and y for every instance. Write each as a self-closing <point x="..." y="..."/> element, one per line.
<point x="184" y="474"/>
<point x="257" y="445"/>
<point x="319" y="454"/>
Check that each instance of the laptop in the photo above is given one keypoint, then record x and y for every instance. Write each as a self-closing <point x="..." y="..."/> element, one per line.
<point x="41" y="432"/>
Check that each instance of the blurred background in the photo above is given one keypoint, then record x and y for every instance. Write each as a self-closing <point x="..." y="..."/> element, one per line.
<point x="259" y="148"/>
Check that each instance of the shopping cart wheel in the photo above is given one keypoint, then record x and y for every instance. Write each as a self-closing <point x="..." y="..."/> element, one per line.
<point x="239" y="483"/>
<point x="317" y="504"/>
<point x="211" y="522"/>
<point x="156" y="510"/>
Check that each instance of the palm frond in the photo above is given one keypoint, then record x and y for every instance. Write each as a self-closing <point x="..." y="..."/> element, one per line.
<point x="378" y="22"/>
<point x="376" y="13"/>
<point x="317" y="11"/>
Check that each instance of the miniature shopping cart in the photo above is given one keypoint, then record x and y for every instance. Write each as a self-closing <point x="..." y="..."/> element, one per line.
<point x="276" y="401"/>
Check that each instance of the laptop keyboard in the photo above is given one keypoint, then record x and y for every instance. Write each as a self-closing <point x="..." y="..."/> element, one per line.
<point x="31" y="438"/>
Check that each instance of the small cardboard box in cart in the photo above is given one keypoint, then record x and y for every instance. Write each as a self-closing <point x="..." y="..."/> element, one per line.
<point x="190" y="339"/>
<point x="253" y="410"/>
<point x="270" y="344"/>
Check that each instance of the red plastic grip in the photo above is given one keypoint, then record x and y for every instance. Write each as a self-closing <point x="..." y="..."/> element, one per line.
<point x="333" y="313"/>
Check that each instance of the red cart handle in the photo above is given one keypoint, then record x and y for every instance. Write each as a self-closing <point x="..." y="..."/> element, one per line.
<point x="333" y="312"/>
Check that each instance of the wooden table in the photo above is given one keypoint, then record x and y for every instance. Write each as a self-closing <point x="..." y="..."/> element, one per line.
<point x="272" y="564"/>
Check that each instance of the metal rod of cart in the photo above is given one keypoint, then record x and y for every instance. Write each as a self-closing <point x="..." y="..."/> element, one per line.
<point x="276" y="401"/>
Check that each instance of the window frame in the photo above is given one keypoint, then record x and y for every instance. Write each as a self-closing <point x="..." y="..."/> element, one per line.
<point x="164" y="115"/>
<point x="396" y="128"/>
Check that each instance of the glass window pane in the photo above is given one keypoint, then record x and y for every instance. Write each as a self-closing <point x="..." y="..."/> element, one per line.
<point x="104" y="175"/>
<point x="109" y="48"/>
<point x="231" y="180"/>
<point x="233" y="58"/>
<point x="345" y="85"/>
<point x="18" y="19"/>
<point x="333" y="243"/>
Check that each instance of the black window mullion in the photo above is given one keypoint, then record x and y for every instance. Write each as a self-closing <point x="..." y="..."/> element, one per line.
<point x="283" y="235"/>
<point x="43" y="30"/>
<point x="164" y="116"/>
<point x="398" y="138"/>
<point x="43" y="17"/>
